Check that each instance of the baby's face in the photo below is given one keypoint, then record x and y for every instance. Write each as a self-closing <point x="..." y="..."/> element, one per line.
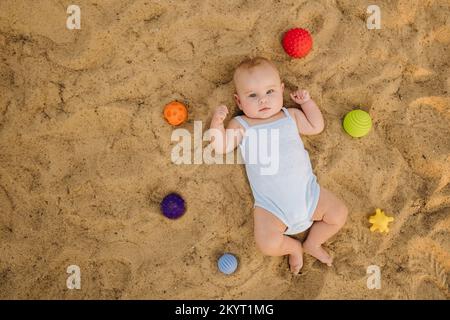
<point x="259" y="91"/>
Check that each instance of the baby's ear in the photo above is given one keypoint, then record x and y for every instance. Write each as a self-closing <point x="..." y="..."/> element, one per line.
<point x="238" y="101"/>
<point x="282" y="87"/>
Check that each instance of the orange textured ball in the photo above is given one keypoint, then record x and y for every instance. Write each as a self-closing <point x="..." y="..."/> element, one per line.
<point x="175" y="113"/>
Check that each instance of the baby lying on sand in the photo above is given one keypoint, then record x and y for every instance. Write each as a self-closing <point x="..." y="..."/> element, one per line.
<point x="289" y="200"/>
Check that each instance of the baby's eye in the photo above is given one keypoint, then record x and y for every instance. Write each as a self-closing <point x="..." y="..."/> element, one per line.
<point x="270" y="91"/>
<point x="253" y="95"/>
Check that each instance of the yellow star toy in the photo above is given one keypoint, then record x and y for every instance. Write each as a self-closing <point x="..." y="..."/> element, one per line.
<point x="380" y="221"/>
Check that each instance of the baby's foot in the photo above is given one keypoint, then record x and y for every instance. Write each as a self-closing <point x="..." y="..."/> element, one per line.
<point x="296" y="260"/>
<point x="318" y="252"/>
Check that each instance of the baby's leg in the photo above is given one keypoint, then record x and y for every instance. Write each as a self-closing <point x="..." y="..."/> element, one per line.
<point x="270" y="239"/>
<point x="330" y="216"/>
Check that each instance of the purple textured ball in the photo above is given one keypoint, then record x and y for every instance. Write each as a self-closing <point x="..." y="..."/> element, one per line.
<point x="172" y="206"/>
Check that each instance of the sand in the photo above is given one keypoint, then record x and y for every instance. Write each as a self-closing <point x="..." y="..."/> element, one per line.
<point x="85" y="151"/>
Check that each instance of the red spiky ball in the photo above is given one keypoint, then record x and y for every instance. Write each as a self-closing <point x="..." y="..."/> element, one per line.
<point x="297" y="42"/>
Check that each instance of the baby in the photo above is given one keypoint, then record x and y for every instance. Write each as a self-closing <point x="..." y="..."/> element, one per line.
<point x="290" y="201"/>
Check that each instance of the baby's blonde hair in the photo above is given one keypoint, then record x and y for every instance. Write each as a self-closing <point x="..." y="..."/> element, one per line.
<point x="251" y="63"/>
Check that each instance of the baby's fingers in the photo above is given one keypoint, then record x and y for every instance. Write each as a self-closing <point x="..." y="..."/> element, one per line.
<point x="222" y="108"/>
<point x="221" y="114"/>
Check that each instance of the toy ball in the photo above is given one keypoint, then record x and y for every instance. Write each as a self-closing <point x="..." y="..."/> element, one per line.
<point x="172" y="206"/>
<point x="175" y="113"/>
<point x="297" y="42"/>
<point x="357" y="123"/>
<point x="227" y="263"/>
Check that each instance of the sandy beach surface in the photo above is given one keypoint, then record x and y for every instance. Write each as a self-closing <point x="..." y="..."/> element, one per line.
<point x="85" y="152"/>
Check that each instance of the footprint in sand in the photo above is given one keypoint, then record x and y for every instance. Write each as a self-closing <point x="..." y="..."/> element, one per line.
<point x="429" y="262"/>
<point x="100" y="36"/>
<point x="114" y="268"/>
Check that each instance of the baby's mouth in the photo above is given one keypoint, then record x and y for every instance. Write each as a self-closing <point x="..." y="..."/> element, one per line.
<point x="264" y="109"/>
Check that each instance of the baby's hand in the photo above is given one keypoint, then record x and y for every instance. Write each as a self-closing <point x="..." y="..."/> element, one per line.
<point x="300" y="96"/>
<point x="219" y="115"/>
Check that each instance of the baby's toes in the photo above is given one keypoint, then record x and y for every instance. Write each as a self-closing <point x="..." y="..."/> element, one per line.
<point x="295" y="269"/>
<point x="295" y="263"/>
<point x="328" y="261"/>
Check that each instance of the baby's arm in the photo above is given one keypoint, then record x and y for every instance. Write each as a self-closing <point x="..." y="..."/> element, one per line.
<point x="309" y="119"/>
<point x="224" y="140"/>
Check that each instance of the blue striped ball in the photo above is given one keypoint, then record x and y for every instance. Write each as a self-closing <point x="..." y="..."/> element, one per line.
<point x="227" y="263"/>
